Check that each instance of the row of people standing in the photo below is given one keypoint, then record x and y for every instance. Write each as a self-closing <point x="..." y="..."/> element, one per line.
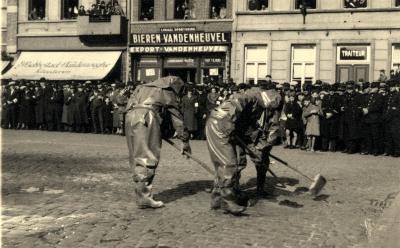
<point x="352" y="118"/>
<point x="64" y="106"/>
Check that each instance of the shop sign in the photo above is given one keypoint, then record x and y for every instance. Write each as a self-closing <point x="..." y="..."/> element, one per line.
<point x="180" y="61"/>
<point x="213" y="62"/>
<point x="181" y="38"/>
<point x="178" y="49"/>
<point x="178" y="29"/>
<point x="353" y="53"/>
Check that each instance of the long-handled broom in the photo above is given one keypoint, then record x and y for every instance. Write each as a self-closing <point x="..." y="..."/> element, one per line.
<point x="317" y="183"/>
<point x="201" y="163"/>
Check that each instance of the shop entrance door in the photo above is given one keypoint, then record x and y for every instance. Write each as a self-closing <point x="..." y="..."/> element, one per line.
<point x="355" y="73"/>
<point x="186" y="74"/>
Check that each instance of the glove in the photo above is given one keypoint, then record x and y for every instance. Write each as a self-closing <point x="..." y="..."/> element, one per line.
<point x="186" y="148"/>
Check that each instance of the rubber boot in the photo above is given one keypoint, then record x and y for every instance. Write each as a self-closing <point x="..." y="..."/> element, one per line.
<point x="215" y="199"/>
<point x="228" y="202"/>
<point x="144" y="198"/>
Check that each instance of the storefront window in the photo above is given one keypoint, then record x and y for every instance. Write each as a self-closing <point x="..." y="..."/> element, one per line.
<point x="69" y="9"/>
<point x="353" y="4"/>
<point x="309" y="4"/>
<point x="303" y="63"/>
<point x="397" y="3"/>
<point x="255" y="63"/>
<point x="146" y="10"/>
<point x="37" y="10"/>
<point x="396" y="58"/>
<point x="218" y="9"/>
<point x="184" y="10"/>
<point x="253" y="5"/>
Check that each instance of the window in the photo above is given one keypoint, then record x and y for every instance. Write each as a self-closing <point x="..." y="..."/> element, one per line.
<point x="218" y="9"/>
<point x="353" y="4"/>
<point x="303" y="64"/>
<point x="69" y="9"/>
<point x="184" y="10"/>
<point x="146" y="10"/>
<point x="255" y="63"/>
<point x="396" y="58"/>
<point x="37" y="9"/>
<point x="397" y="3"/>
<point x="253" y="5"/>
<point x="310" y="4"/>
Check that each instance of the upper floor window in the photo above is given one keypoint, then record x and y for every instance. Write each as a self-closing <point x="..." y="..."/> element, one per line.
<point x="101" y="11"/>
<point x="37" y="9"/>
<point x="349" y="4"/>
<point x="309" y="4"/>
<point x="69" y="9"/>
<point x="257" y="5"/>
<point x="146" y="10"/>
<point x="184" y="10"/>
<point x="218" y="9"/>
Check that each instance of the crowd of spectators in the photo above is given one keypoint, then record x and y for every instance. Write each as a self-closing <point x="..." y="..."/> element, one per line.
<point x="355" y="3"/>
<point x="65" y="106"/>
<point x="102" y="9"/>
<point x="352" y="117"/>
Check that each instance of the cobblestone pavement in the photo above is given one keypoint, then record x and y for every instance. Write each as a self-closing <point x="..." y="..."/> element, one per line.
<point x="74" y="190"/>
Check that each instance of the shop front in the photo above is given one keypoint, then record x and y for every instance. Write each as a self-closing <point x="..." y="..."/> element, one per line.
<point x="353" y="63"/>
<point x="196" y="57"/>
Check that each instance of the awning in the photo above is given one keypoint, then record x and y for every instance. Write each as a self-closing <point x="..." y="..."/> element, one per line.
<point x="63" y="65"/>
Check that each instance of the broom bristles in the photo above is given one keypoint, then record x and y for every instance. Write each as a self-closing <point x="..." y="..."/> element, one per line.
<point x="317" y="185"/>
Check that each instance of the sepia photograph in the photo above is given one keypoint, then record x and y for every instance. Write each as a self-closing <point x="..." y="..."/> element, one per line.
<point x="200" y="123"/>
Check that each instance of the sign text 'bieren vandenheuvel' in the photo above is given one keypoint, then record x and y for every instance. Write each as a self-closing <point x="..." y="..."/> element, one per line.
<point x="181" y="38"/>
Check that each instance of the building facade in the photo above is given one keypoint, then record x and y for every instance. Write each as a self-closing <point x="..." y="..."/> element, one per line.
<point x="333" y="41"/>
<point x="44" y="31"/>
<point x="187" y="38"/>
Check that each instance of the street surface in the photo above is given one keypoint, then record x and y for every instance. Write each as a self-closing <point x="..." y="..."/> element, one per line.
<point x="75" y="190"/>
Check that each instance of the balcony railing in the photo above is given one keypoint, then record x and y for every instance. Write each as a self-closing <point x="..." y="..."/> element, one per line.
<point x="101" y="25"/>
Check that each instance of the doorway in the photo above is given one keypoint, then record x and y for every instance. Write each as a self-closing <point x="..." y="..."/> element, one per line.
<point x="186" y="74"/>
<point x="345" y="73"/>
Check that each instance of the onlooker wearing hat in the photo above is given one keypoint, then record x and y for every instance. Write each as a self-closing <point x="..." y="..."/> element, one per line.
<point x="373" y="117"/>
<point x="329" y="124"/>
<point x="12" y="106"/>
<point x="293" y="114"/>
<point x="189" y="107"/>
<point x="351" y="122"/>
<point x="54" y="111"/>
<point x="311" y="114"/>
<point x="391" y="120"/>
<point x="96" y="111"/>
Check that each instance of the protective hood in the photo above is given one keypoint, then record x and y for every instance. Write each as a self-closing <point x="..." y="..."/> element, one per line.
<point x="172" y="82"/>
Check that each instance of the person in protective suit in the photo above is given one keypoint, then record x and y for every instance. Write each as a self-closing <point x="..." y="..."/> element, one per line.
<point x="152" y="114"/>
<point x="240" y="116"/>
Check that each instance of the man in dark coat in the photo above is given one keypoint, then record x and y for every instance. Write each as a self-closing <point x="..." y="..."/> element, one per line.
<point x="54" y="110"/>
<point x="189" y="108"/>
<point x="153" y="113"/>
<point x="329" y="129"/>
<point x="391" y="118"/>
<point x="238" y="117"/>
<point x="373" y="118"/>
<point x="96" y="110"/>
<point x="12" y="100"/>
<point x="201" y="114"/>
<point x="47" y="95"/>
<point x="352" y="114"/>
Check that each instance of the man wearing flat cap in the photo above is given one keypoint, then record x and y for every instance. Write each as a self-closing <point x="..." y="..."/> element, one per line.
<point x="351" y="122"/>
<point x="373" y="118"/>
<point x="391" y="119"/>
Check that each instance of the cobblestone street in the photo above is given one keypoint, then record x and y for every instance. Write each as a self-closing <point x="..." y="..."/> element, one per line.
<point x="75" y="190"/>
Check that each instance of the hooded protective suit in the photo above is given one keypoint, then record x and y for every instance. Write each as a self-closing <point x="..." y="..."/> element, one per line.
<point x="240" y="116"/>
<point x="152" y="113"/>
